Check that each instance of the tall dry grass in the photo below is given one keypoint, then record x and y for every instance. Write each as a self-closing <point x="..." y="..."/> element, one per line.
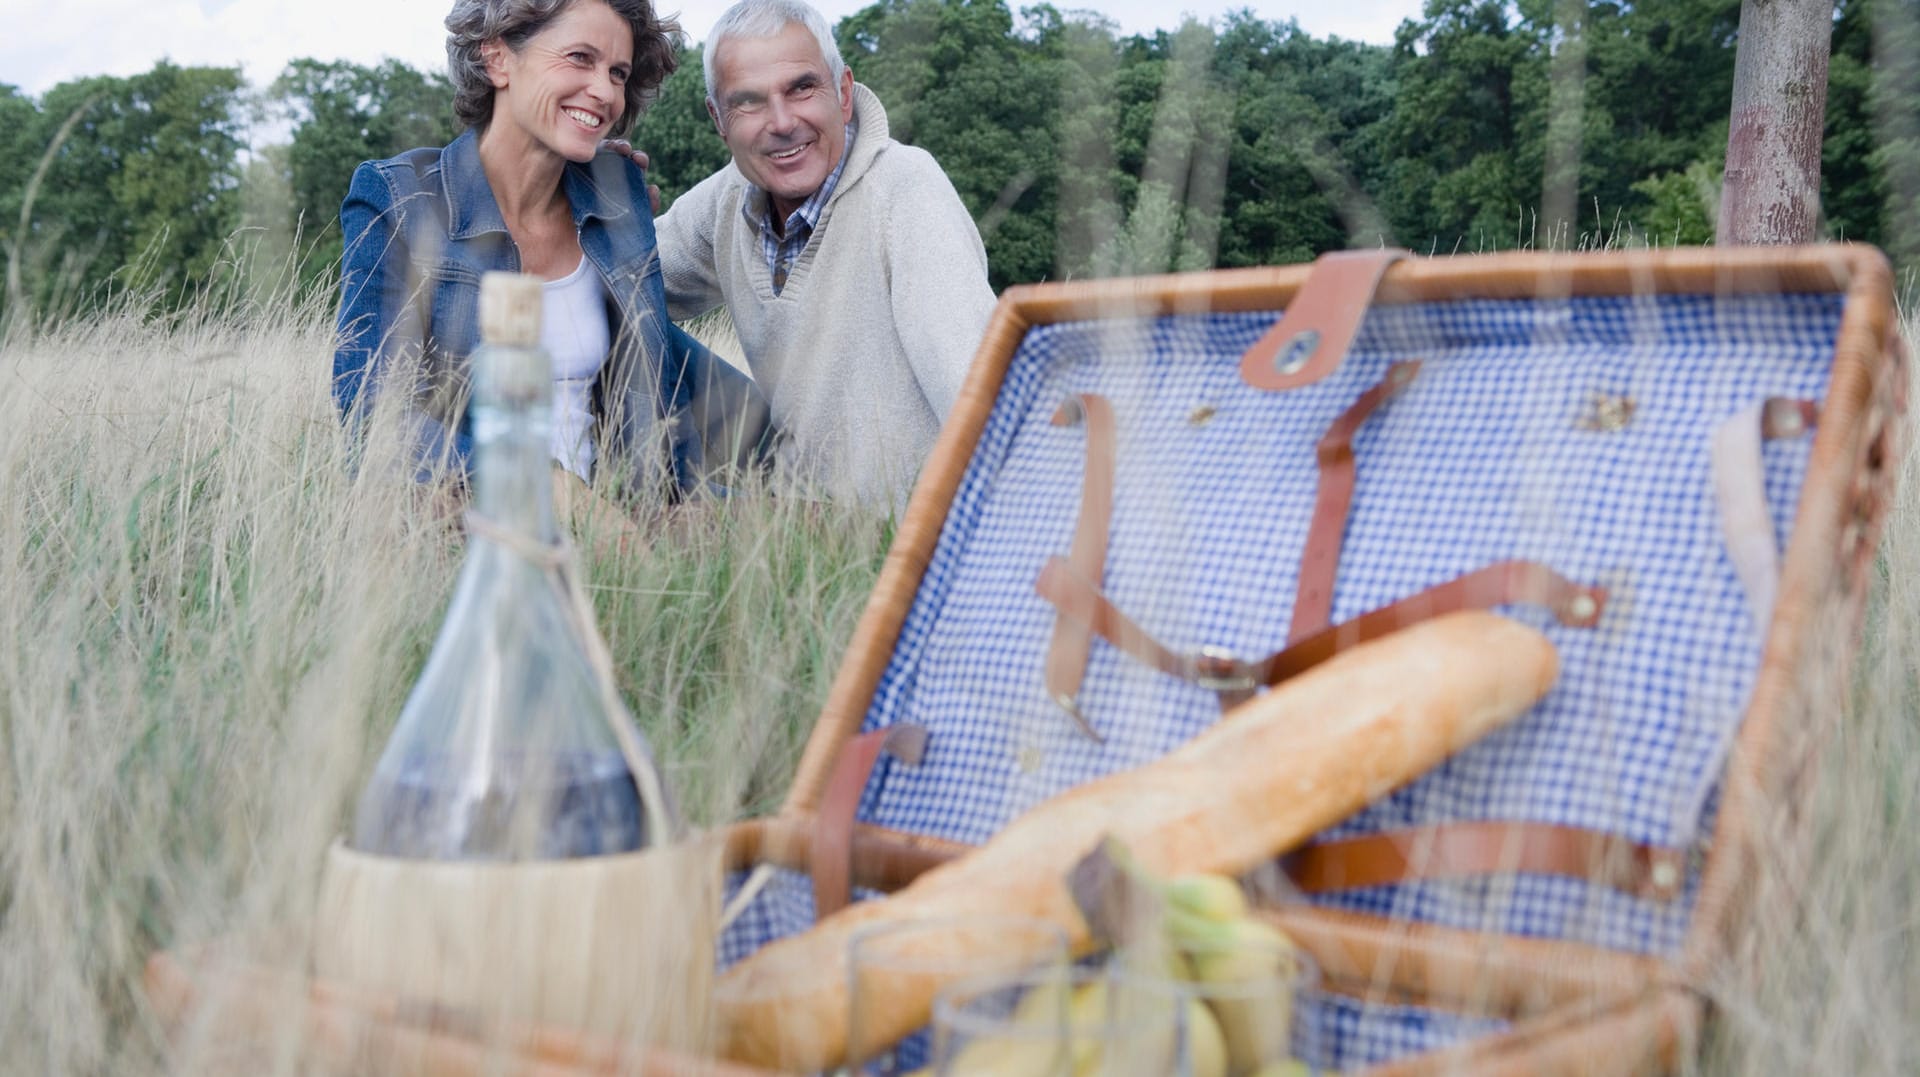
<point x="1827" y="979"/>
<point x="209" y="625"/>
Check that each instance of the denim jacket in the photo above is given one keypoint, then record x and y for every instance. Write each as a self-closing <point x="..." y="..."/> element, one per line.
<point x="422" y="227"/>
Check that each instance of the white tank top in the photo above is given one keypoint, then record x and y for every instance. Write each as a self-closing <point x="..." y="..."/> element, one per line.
<point x="573" y="329"/>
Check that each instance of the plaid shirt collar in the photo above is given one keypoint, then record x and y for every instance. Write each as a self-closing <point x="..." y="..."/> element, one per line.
<point x="782" y="249"/>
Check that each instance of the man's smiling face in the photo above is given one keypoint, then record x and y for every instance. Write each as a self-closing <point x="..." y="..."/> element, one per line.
<point x="780" y="114"/>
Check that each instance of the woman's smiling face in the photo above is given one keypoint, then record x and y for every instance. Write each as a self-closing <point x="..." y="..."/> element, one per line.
<point x="565" y="88"/>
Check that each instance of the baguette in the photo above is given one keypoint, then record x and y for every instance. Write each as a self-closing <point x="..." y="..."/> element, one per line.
<point x="1279" y="769"/>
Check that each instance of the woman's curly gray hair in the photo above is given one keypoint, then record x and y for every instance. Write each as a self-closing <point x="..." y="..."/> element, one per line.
<point x="473" y="23"/>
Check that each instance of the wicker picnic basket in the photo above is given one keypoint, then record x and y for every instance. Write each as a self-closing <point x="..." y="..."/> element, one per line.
<point x="1675" y="464"/>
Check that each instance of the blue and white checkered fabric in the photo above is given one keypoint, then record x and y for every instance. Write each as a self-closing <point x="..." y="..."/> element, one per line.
<point x="1483" y="458"/>
<point x="1339" y="1027"/>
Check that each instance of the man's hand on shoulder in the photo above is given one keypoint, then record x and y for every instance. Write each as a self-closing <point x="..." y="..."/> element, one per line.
<point x="639" y="157"/>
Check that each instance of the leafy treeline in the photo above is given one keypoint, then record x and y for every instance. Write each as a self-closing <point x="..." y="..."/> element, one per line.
<point x="1488" y="124"/>
<point x="142" y="170"/>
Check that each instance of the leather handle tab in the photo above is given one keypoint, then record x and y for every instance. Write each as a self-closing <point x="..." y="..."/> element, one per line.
<point x="1075" y="598"/>
<point x="1312" y="337"/>
<point x="1320" y="560"/>
<point x="831" y="860"/>
<point x="1072" y="641"/>
<point x="1464" y="850"/>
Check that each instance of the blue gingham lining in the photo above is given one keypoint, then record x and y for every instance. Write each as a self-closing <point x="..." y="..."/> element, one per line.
<point x="1484" y="457"/>
<point x="784" y="907"/>
<point x="1328" y="1027"/>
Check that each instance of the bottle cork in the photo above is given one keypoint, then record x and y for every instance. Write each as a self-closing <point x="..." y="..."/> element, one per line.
<point x="510" y="368"/>
<point x="510" y="309"/>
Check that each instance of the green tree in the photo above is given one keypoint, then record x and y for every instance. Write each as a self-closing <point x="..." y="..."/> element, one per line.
<point x="20" y="127"/>
<point x="179" y="179"/>
<point x="145" y="190"/>
<point x="1508" y="111"/>
<point x="1896" y="123"/>
<point x="1661" y="75"/>
<point x="1852" y="190"/>
<point x="961" y="81"/>
<point x="1453" y="131"/>
<point x="1680" y="208"/>
<point x="1087" y="212"/>
<point x="1305" y="119"/>
<point x="1870" y="168"/>
<point x="1625" y="101"/>
<point x="342" y="114"/>
<point x="682" y="146"/>
<point x="1172" y="146"/>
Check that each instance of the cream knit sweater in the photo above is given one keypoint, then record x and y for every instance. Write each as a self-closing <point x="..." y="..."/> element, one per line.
<point x="863" y="351"/>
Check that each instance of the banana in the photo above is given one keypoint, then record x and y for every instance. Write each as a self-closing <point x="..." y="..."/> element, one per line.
<point x="1247" y="966"/>
<point x="1145" y="1029"/>
<point x="1086" y="1015"/>
<point x="1255" y="1024"/>
<point x="1236" y="950"/>
<point x="1017" y="1055"/>
<point x="1206" y="1044"/>
<point x="1242" y="969"/>
<point x="1211" y="897"/>
<point x="1243" y="966"/>
<point x="1002" y="1059"/>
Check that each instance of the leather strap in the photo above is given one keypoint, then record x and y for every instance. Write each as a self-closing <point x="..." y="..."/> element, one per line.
<point x="831" y="860"/>
<point x="1320" y="560"/>
<point x="1072" y="640"/>
<point x="1499" y="584"/>
<point x="1740" y="494"/>
<point x="1312" y="337"/>
<point x="1461" y="850"/>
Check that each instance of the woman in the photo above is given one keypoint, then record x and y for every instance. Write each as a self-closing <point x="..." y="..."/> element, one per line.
<point x="538" y="84"/>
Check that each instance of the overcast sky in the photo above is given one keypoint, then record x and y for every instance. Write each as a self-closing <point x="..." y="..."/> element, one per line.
<point x="45" y="42"/>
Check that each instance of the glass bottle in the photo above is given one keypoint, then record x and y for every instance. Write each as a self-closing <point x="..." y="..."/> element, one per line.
<point x="514" y="744"/>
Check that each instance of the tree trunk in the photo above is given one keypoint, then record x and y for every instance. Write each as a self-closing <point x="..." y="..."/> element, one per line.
<point x="1772" y="188"/>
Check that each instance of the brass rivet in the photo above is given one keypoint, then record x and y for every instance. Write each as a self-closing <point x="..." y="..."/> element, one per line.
<point x="1607" y="413"/>
<point x="1028" y="759"/>
<point x="1665" y="875"/>
<point x="1583" y="608"/>
<point x="1201" y="414"/>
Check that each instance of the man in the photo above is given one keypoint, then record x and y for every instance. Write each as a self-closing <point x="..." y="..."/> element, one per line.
<point x="854" y="275"/>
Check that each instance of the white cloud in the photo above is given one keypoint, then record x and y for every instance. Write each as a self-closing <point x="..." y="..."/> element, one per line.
<point x="47" y="44"/>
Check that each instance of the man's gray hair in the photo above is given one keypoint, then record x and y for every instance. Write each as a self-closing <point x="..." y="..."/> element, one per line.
<point x="766" y="18"/>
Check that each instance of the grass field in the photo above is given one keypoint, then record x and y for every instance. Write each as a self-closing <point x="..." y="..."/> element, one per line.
<point x="206" y="628"/>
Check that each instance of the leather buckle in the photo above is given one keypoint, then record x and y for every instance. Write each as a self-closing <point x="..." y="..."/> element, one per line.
<point x="1219" y="670"/>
